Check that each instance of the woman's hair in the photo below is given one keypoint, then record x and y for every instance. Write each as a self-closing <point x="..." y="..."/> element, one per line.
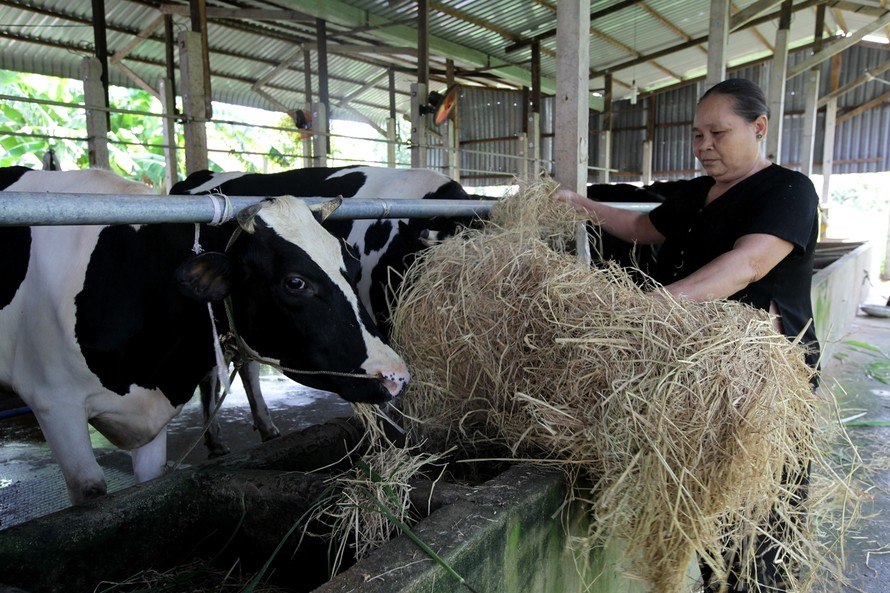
<point x="748" y="100"/>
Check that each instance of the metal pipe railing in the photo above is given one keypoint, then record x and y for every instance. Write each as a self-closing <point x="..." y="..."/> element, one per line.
<point x="42" y="208"/>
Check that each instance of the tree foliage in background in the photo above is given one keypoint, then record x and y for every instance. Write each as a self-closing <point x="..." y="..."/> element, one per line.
<point x="135" y="141"/>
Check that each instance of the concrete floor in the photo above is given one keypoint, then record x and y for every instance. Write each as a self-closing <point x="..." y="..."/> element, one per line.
<point x="859" y="377"/>
<point x="31" y="484"/>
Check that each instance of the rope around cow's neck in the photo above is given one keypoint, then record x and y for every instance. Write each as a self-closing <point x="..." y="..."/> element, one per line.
<point x="248" y="353"/>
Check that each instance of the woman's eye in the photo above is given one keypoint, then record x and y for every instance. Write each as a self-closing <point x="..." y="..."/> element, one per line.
<point x="295" y="284"/>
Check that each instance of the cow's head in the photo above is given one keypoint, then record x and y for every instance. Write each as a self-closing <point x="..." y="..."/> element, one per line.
<point x="293" y="300"/>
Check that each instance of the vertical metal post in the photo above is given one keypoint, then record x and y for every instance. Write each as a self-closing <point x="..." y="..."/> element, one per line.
<point x="391" y="121"/>
<point x="533" y="119"/>
<point x="605" y="136"/>
<point x="96" y="113"/>
<point x="307" y="83"/>
<point x="324" y="99"/>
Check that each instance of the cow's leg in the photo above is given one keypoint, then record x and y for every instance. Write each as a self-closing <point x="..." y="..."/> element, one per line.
<point x="149" y="459"/>
<point x="136" y="422"/>
<point x="262" y="420"/>
<point x="68" y="434"/>
<point x="209" y="388"/>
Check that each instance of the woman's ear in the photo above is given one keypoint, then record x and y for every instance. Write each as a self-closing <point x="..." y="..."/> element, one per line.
<point x="761" y="124"/>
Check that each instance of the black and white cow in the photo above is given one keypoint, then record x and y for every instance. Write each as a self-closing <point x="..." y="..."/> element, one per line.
<point x="638" y="260"/>
<point x="385" y="247"/>
<point x="109" y="324"/>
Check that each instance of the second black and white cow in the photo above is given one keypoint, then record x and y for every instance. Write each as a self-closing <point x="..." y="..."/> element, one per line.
<point x="385" y="247"/>
<point x="108" y="325"/>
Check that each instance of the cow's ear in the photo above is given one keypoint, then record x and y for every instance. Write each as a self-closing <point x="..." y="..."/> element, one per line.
<point x="246" y="216"/>
<point x="206" y="277"/>
<point x="324" y="209"/>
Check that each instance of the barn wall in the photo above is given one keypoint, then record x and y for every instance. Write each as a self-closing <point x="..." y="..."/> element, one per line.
<point x="861" y="142"/>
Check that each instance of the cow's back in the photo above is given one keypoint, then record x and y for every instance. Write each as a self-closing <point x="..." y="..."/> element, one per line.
<point x="41" y="273"/>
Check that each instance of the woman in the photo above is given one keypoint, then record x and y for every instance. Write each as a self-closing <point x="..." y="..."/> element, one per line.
<point x="746" y="231"/>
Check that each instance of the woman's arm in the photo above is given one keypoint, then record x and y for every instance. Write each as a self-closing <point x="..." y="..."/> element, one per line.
<point x="629" y="225"/>
<point x="750" y="259"/>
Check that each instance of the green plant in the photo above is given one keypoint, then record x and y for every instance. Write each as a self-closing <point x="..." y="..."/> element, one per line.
<point x="879" y="367"/>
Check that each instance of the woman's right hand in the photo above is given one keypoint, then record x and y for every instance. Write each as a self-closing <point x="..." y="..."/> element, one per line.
<point x="571" y="198"/>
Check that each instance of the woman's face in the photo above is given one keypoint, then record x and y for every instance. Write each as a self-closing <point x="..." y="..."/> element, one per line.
<point x="725" y="143"/>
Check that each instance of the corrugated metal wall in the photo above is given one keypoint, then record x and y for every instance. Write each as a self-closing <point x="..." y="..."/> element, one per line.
<point x="491" y="121"/>
<point x="862" y="142"/>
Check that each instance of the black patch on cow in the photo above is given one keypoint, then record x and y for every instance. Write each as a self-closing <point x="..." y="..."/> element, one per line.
<point x="312" y="182"/>
<point x="10" y="175"/>
<point x="15" y="245"/>
<point x="192" y="181"/>
<point x="110" y="310"/>
<point x="377" y="235"/>
<point x="132" y="323"/>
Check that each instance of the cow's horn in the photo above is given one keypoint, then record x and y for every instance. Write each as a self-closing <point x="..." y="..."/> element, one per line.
<point x="246" y="216"/>
<point x="324" y="209"/>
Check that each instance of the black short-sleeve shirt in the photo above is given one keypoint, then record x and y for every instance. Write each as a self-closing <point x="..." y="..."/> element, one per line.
<point x="775" y="201"/>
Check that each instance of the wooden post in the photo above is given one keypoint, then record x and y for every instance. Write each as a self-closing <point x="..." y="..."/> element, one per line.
<point x="418" y="126"/>
<point x="320" y="138"/>
<point x="718" y="34"/>
<point x="96" y="113"/>
<point x="571" y="104"/>
<point x="649" y="142"/>
<point x="420" y="90"/>
<point x="198" y="13"/>
<point x="776" y="91"/>
<point x="808" y="142"/>
<point x="605" y="136"/>
<point x="194" y="102"/>
<point x="571" y="111"/>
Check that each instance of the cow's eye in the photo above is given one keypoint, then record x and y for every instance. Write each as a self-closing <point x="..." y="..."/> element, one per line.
<point x="295" y="284"/>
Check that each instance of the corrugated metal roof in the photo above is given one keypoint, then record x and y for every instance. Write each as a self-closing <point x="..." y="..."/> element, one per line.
<point x="260" y="62"/>
<point x="51" y="36"/>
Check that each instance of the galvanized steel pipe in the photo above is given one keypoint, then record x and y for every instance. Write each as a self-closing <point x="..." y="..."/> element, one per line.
<point x="41" y="208"/>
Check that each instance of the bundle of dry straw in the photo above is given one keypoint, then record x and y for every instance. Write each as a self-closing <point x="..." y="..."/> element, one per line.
<point x="684" y="415"/>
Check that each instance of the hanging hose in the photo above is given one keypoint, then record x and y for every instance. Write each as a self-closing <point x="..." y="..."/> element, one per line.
<point x="12" y="413"/>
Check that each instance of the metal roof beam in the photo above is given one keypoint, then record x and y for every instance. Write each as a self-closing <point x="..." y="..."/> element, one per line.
<point x="254" y="14"/>
<point x="740" y="19"/>
<point x="840" y="45"/>
<point x="350" y="16"/>
<point x="869" y="74"/>
<point x="346" y="49"/>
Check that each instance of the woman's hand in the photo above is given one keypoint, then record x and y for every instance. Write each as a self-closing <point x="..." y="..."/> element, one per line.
<point x="571" y="198"/>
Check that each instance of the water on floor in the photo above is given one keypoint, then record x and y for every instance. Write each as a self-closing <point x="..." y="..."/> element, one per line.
<point x="31" y="483"/>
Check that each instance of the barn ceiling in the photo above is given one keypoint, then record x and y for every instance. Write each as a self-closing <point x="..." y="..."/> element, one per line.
<point x="259" y="50"/>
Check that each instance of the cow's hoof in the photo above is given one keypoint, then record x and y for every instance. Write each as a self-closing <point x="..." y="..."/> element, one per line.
<point x="217" y="451"/>
<point x="272" y="434"/>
